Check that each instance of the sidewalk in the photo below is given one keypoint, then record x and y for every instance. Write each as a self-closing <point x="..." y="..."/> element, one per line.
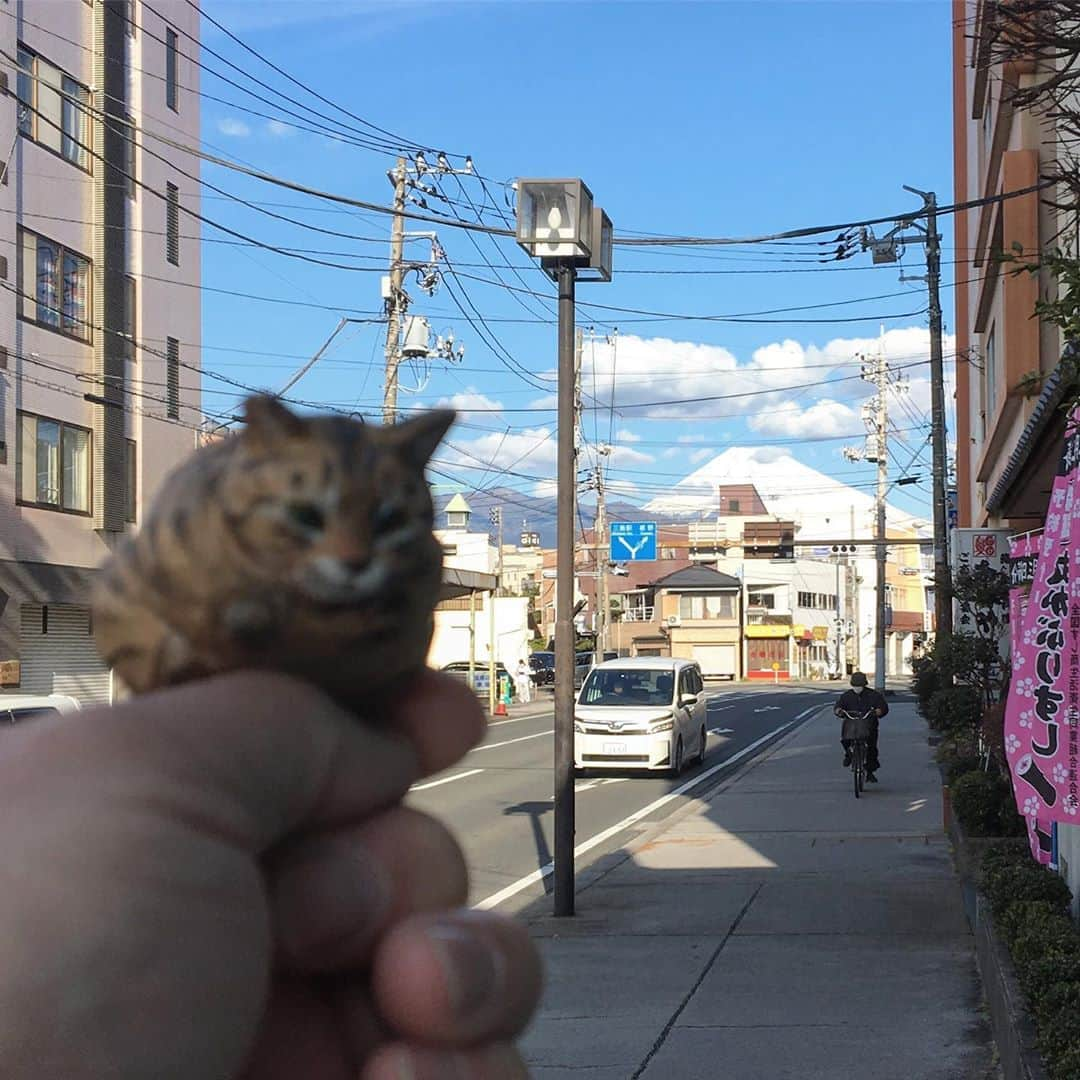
<point x="777" y="929"/>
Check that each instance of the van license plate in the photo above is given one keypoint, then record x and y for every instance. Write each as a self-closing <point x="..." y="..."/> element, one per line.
<point x="614" y="748"/>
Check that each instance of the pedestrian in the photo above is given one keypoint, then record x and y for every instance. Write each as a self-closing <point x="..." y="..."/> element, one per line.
<point x="523" y="679"/>
<point x="861" y="699"/>
<point x="230" y="885"/>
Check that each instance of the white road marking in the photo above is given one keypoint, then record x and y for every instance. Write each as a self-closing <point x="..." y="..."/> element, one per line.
<point x="445" y="780"/>
<point x="508" y="742"/>
<point x="497" y="898"/>
<point x="721" y="708"/>
<point x="768" y="708"/>
<point x="721" y="731"/>
<point x="518" y="719"/>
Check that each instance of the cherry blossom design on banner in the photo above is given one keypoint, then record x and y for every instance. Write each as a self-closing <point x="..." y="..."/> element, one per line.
<point x="1046" y="667"/>
<point x="1023" y="555"/>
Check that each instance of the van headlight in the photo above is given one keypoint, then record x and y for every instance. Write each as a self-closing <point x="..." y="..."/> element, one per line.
<point x="662" y="725"/>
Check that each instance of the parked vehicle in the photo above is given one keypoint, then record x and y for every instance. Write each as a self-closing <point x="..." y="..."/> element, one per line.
<point x="644" y="712"/>
<point x="459" y="669"/>
<point x="583" y="662"/>
<point x="542" y="665"/>
<point x="17" y="708"/>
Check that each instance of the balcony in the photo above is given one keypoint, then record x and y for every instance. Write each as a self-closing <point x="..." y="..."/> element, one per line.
<point x="638" y="614"/>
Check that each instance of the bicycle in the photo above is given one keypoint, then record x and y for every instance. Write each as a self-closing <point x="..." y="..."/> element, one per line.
<point x="855" y="729"/>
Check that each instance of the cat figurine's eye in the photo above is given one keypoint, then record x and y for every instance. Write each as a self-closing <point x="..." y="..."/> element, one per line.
<point x="307" y="515"/>
<point x="389" y="516"/>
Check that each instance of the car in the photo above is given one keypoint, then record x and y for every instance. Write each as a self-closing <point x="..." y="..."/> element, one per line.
<point x="542" y="668"/>
<point x="459" y="669"/>
<point x="17" y="708"/>
<point x="583" y="662"/>
<point x="645" y="712"/>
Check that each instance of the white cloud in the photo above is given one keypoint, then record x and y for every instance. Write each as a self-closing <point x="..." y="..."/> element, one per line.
<point x="234" y="128"/>
<point x="671" y="451"/>
<point x="699" y="437"/>
<point x="279" y="129"/>
<point x="471" y="402"/>
<point x="658" y="370"/>
<point x="824" y="417"/>
<point x="701" y="455"/>
<point x="624" y="436"/>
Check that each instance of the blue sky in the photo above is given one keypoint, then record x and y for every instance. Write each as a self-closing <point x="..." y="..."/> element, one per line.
<point x="705" y="119"/>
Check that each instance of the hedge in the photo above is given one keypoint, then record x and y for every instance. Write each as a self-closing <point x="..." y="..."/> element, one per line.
<point x="1031" y="912"/>
<point x="984" y="804"/>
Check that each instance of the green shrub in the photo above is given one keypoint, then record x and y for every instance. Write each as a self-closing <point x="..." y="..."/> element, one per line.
<point x="958" y="766"/>
<point x="925" y="680"/>
<point x="954" y="707"/>
<point x="979" y="801"/>
<point x="1031" y="912"/>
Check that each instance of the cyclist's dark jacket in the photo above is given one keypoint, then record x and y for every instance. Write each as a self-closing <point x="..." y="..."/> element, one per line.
<point x="859" y="703"/>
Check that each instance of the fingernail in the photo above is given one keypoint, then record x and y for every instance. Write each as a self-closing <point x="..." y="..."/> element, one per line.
<point x="474" y="971"/>
<point x="336" y="893"/>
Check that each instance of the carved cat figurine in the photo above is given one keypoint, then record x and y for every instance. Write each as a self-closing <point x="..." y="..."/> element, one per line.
<point x="302" y="544"/>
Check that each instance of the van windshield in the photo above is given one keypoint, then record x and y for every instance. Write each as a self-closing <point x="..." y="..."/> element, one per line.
<point x="612" y="686"/>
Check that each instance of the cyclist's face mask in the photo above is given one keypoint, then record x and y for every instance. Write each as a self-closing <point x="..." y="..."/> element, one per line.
<point x="858" y="689"/>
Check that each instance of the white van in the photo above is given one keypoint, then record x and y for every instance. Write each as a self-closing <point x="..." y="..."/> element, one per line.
<point x="17" y="708"/>
<point x="645" y="712"/>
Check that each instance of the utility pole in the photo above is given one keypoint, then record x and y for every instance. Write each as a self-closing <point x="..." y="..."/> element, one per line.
<point x="496" y="517"/>
<point x="881" y="377"/>
<point x="395" y="302"/>
<point x="564" y="599"/>
<point x="942" y="570"/>
<point x="887" y="249"/>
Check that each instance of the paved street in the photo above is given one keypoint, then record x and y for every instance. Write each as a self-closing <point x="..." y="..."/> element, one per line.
<point x="499" y="799"/>
<point x="772" y="929"/>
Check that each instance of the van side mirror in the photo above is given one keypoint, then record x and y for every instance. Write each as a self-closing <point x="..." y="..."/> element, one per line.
<point x="688" y="699"/>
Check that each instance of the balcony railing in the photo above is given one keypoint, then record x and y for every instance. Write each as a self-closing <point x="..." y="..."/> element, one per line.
<point x="638" y="614"/>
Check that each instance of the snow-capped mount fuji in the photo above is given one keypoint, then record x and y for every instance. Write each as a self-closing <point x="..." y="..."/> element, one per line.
<point x="820" y="505"/>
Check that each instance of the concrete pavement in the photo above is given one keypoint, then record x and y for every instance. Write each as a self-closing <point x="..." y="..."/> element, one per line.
<point x="774" y="928"/>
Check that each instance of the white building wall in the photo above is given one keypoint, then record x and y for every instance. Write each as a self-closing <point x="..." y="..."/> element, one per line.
<point x="450" y="642"/>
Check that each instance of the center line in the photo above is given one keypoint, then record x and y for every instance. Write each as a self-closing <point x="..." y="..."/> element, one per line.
<point x="445" y="780"/>
<point x="508" y="742"/>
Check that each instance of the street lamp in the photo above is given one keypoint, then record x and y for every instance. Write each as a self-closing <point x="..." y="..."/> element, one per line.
<point x="558" y="224"/>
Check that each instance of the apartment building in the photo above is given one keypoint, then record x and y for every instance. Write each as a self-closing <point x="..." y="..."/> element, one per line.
<point x="99" y="308"/>
<point x="1010" y="380"/>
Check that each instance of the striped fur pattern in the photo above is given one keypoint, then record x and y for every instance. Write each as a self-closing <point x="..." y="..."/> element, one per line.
<point x="303" y="544"/>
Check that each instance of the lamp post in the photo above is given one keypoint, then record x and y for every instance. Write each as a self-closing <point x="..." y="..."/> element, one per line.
<point x="558" y="224"/>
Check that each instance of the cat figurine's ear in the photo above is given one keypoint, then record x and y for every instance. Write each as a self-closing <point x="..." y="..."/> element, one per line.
<point x="268" y="421"/>
<point x="417" y="438"/>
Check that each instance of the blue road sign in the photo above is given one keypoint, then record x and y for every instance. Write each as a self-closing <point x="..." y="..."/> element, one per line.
<point x="633" y="541"/>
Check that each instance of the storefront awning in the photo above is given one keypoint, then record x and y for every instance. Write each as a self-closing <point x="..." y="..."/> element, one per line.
<point x="782" y="631"/>
<point x="457" y="583"/>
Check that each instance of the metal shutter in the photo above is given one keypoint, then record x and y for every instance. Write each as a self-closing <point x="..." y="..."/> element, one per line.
<point x="64" y="660"/>
<point x="716" y="659"/>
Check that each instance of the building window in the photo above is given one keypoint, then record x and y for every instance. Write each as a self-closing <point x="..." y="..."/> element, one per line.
<point x="54" y="286"/>
<point x="53" y="465"/>
<point x="172" y="378"/>
<point x="700" y="606"/>
<point x="172" y="224"/>
<point x="990" y="374"/>
<point x="52" y="108"/>
<point x="131" y="178"/>
<point x="733" y="506"/>
<point x="759" y="599"/>
<point x="131" y="473"/>
<point x="172" y="56"/>
<point x="130" y="322"/>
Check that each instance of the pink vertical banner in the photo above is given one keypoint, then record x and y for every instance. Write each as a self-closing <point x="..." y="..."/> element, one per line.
<point x="1023" y="556"/>
<point x="1043" y="755"/>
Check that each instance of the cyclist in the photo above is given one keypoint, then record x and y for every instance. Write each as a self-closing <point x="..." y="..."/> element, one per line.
<point x="858" y="700"/>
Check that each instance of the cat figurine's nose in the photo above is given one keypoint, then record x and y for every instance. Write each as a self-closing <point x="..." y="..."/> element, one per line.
<point x="357" y="564"/>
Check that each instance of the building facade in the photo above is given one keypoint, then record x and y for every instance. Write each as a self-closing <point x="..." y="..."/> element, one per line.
<point x="99" y="309"/>
<point x="1009" y="372"/>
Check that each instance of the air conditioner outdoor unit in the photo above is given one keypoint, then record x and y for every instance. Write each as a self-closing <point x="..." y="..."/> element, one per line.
<point x="673" y="620"/>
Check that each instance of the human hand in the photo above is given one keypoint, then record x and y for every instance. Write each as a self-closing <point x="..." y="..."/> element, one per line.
<point x="219" y="881"/>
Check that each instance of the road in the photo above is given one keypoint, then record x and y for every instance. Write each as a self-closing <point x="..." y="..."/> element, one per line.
<point x="498" y="801"/>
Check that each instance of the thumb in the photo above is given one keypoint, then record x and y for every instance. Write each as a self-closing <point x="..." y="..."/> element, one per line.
<point x="248" y="757"/>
